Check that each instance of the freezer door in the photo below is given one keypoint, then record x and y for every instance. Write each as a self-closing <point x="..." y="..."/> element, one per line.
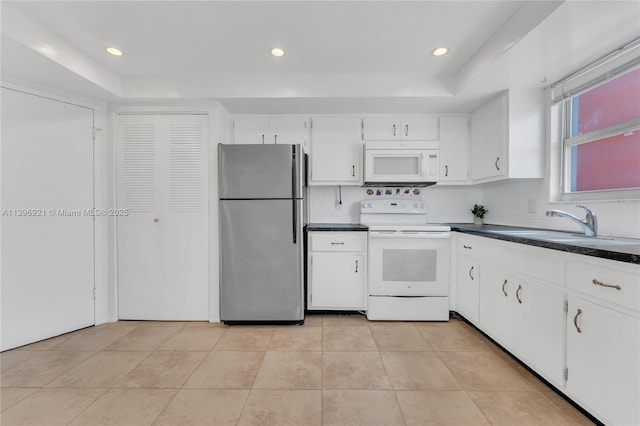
<point x="260" y="171"/>
<point x="261" y="271"/>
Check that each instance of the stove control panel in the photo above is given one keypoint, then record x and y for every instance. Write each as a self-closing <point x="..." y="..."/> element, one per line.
<point x="393" y="205"/>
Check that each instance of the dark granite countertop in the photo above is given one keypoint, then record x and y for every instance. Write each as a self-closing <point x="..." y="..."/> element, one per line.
<point x="620" y="249"/>
<point x="336" y="227"/>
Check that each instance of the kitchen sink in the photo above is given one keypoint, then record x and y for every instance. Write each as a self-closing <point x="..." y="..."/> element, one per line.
<point x="564" y="237"/>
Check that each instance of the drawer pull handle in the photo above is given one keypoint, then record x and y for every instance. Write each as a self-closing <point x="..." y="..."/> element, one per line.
<point x="616" y="286"/>
<point x="503" y="290"/>
<point x="394" y="130"/>
<point x="353" y="171"/>
<point x="467" y="247"/>
<point x="356" y="266"/>
<point x="518" y="294"/>
<point x="575" y="321"/>
<point x="497" y="167"/>
<point x="471" y="270"/>
<point x="446" y="170"/>
<point x="337" y="244"/>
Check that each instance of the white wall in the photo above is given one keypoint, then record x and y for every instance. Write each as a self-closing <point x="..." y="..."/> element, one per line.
<point x="444" y="203"/>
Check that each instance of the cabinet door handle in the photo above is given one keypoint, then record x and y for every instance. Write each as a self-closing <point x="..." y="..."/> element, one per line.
<point x="600" y="283"/>
<point x="275" y="138"/>
<point x="394" y="130"/>
<point x="356" y="266"/>
<point x="406" y="130"/>
<point x="575" y="321"/>
<point x="518" y="294"/>
<point x="471" y="270"/>
<point x="467" y="247"/>
<point x="263" y="139"/>
<point x="503" y="290"/>
<point x="337" y="244"/>
<point x="446" y="170"/>
<point x="497" y="167"/>
<point x="353" y="171"/>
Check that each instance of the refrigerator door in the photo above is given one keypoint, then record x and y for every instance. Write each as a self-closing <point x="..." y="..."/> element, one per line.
<point x="260" y="171"/>
<point x="261" y="270"/>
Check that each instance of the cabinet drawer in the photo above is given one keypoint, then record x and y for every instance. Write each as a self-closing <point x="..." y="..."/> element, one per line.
<point x="608" y="281"/>
<point x="469" y="246"/>
<point x="338" y="241"/>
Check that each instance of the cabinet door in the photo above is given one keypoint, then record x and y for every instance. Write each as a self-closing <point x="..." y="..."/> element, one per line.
<point x="251" y="131"/>
<point x="489" y="138"/>
<point x="419" y="128"/>
<point x="381" y="128"/>
<point x="337" y="281"/>
<point x="602" y="362"/>
<point x="454" y="145"/>
<point x="336" y="151"/>
<point x="468" y="288"/>
<point x="538" y="327"/>
<point x="288" y="130"/>
<point x="496" y="289"/>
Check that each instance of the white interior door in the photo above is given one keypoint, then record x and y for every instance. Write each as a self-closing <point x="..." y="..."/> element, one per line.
<point x="47" y="240"/>
<point x="163" y="242"/>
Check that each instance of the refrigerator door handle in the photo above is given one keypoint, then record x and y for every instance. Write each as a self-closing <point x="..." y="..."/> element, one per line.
<point x="293" y="193"/>
<point x="295" y="221"/>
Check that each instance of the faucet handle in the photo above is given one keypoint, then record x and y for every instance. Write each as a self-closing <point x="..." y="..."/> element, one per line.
<point x="591" y="219"/>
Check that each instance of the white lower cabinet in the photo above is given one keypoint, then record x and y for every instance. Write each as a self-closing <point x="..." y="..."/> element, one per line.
<point x="468" y="288"/>
<point x="554" y="310"/>
<point x="525" y="317"/>
<point x="603" y="362"/>
<point x="336" y="277"/>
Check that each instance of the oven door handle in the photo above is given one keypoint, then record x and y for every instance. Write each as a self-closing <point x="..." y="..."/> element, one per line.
<point x="409" y="235"/>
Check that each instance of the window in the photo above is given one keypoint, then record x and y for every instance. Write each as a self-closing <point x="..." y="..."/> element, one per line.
<point x="601" y="125"/>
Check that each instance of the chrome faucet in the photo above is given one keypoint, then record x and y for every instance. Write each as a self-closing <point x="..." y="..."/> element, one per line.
<point x="589" y="225"/>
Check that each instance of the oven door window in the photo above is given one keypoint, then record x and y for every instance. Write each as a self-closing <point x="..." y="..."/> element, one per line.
<point x="409" y="265"/>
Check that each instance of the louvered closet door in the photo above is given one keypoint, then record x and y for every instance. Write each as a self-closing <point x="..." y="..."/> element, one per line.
<point x="184" y="221"/>
<point x="163" y="242"/>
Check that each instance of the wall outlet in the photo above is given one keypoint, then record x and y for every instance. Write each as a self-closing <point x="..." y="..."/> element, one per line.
<point x="532" y="205"/>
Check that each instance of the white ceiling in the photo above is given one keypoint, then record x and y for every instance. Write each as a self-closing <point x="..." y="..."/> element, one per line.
<point x="341" y="56"/>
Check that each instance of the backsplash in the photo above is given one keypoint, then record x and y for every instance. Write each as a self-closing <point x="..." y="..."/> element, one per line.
<point x="444" y="203"/>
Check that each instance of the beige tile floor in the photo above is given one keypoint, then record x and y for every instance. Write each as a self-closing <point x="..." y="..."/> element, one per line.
<point x="334" y="370"/>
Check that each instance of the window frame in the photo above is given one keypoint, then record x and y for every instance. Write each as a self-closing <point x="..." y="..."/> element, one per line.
<point x="622" y="61"/>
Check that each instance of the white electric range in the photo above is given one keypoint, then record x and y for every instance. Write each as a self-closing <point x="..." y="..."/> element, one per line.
<point x="408" y="261"/>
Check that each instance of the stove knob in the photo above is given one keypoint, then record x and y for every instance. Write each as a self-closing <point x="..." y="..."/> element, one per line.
<point x="422" y="205"/>
<point x="415" y="205"/>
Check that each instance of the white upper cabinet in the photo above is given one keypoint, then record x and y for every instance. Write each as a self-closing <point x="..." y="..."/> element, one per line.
<point x="270" y="130"/>
<point x="336" y="151"/>
<point x="454" y="150"/>
<point x="507" y="136"/>
<point x="400" y="128"/>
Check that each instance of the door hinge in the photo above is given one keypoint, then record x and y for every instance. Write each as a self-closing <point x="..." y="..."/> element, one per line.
<point x="362" y="129"/>
<point x="94" y="132"/>
<point x="566" y="306"/>
<point x="94" y="293"/>
<point x="566" y="374"/>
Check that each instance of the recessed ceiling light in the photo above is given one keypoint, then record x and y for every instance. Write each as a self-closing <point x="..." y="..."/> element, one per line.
<point x="277" y="52"/>
<point x="439" y="51"/>
<point x="114" y="51"/>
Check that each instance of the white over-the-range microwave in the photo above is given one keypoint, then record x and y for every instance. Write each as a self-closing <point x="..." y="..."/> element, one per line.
<point x="401" y="163"/>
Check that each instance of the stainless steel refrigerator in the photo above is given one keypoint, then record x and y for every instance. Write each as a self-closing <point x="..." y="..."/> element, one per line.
<point x="261" y="191"/>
